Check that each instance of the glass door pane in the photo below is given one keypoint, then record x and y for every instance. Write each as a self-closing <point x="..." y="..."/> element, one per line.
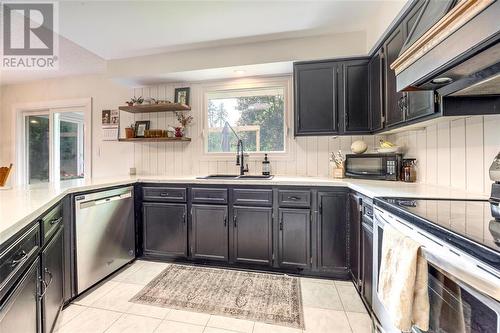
<point x="71" y="158"/>
<point x="38" y="148"/>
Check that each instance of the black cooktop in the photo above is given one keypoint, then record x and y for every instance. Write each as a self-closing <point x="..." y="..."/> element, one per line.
<point x="466" y="224"/>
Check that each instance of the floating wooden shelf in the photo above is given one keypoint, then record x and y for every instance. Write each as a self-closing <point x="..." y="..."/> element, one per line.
<point x="183" y="139"/>
<point x="144" y="108"/>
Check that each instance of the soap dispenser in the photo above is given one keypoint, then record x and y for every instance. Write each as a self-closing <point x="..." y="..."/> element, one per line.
<point x="266" y="166"/>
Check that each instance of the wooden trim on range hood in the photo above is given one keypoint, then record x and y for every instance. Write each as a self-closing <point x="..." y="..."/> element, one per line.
<point x="459" y="15"/>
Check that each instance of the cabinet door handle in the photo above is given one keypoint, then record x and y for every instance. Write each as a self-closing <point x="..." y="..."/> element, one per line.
<point x="281" y="223"/>
<point x="225" y="220"/>
<point x="184" y="217"/>
<point x="293" y="198"/>
<point x="23" y="257"/>
<point x="55" y="221"/>
<point x="164" y="194"/>
<point x="44" y="283"/>
<point x="235" y="219"/>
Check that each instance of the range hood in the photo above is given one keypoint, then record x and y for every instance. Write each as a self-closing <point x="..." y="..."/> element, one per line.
<point x="457" y="56"/>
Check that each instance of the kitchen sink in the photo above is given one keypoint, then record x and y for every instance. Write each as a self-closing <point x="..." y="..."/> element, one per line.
<point x="236" y="177"/>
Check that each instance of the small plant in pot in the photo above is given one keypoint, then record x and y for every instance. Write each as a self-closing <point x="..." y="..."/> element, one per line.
<point x="137" y="101"/>
<point x="130" y="131"/>
<point x="185" y="121"/>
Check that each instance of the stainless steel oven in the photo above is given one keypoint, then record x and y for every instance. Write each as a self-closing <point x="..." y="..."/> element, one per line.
<point x="464" y="294"/>
<point x="373" y="166"/>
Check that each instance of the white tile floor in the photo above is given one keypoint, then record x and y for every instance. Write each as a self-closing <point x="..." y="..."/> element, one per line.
<point x="329" y="307"/>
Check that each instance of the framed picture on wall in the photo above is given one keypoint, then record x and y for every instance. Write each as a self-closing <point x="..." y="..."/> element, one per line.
<point x="182" y="95"/>
<point x="140" y="127"/>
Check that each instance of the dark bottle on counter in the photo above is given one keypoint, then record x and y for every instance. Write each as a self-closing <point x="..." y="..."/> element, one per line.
<point x="266" y="166"/>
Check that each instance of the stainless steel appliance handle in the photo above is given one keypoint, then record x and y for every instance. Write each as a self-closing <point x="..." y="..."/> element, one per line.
<point x="92" y="203"/>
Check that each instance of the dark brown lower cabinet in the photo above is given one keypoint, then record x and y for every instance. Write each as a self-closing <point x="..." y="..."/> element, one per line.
<point x="294" y="238"/>
<point x="165" y="229"/>
<point x="209" y="232"/>
<point x="19" y="312"/>
<point x="252" y="235"/>
<point x="332" y="231"/>
<point x="52" y="281"/>
<point x="354" y="204"/>
<point x="367" y="262"/>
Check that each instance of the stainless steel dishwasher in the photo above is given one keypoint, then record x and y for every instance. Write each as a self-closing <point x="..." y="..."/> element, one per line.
<point x="105" y="234"/>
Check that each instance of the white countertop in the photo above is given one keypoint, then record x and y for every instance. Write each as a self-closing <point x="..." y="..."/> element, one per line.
<point x="19" y="206"/>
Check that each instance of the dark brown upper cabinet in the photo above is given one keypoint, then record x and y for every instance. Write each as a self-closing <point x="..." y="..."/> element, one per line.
<point x="394" y="100"/>
<point x="376" y="90"/>
<point x="316" y="91"/>
<point x="355" y="108"/>
<point x="331" y="97"/>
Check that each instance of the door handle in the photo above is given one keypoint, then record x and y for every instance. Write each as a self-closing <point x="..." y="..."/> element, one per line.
<point x="235" y="218"/>
<point x="55" y="221"/>
<point x="184" y="217"/>
<point x="225" y="220"/>
<point x="44" y="283"/>
<point x="23" y="257"/>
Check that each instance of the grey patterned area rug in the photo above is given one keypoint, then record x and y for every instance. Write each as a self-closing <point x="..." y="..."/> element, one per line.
<point x="270" y="298"/>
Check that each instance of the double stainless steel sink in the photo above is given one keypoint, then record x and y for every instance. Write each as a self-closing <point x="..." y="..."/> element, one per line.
<point x="236" y="177"/>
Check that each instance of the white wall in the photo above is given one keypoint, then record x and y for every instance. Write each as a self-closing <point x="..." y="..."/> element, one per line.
<point x="455" y="153"/>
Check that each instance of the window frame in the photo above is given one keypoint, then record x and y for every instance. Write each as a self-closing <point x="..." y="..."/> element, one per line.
<point x="285" y="83"/>
<point x="52" y="108"/>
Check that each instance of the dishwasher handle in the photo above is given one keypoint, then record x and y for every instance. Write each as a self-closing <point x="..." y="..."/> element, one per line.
<point x="93" y="203"/>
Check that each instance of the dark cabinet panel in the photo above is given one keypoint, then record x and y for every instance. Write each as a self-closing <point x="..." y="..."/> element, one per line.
<point x="19" y="311"/>
<point x="394" y="101"/>
<point x="252" y="235"/>
<point x="165" y="229"/>
<point x="376" y="83"/>
<point x="209" y="232"/>
<point x="355" y="92"/>
<point x="316" y="98"/>
<point x="52" y="281"/>
<point x="294" y="238"/>
<point x="355" y="237"/>
<point x="420" y="104"/>
<point x="332" y="233"/>
<point x="367" y="262"/>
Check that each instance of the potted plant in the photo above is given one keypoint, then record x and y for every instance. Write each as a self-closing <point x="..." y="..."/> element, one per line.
<point x="137" y="101"/>
<point x="184" y="121"/>
<point x="130" y="131"/>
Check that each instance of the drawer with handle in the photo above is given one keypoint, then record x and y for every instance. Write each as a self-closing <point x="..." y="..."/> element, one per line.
<point x="51" y="222"/>
<point x="16" y="257"/>
<point x="209" y="195"/>
<point x="254" y="197"/>
<point x="294" y="198"/>
<point x="172" y="194"/>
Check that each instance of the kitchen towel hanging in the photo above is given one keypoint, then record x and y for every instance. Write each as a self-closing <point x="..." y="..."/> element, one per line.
<point x="403" y="279"/>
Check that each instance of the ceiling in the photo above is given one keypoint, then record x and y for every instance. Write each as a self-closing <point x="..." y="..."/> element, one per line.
<point x="121" y="29"/>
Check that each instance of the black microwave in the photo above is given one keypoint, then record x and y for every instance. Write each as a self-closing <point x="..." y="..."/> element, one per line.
<point x="373" y="166"/>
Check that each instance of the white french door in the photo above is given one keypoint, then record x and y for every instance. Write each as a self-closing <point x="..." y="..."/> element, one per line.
<point x="54" y="145"/>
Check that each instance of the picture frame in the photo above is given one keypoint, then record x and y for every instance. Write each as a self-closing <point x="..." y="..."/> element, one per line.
<point x="140" y="127"/>
<point x="182" y="95"/>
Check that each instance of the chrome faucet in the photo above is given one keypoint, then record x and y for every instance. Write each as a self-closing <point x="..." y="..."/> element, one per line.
<point x="240" y="154"/>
